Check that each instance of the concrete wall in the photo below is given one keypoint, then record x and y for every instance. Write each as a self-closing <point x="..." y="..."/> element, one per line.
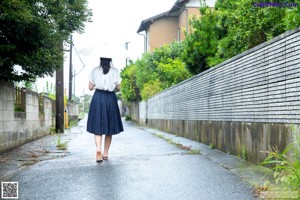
<point x="248" y="101"/>
<point x="17" y="128"/>
<point x="142" y="113"/>
<point x="49" y="107"/>
<point x="73" y="112"/>
<point x="134" y="111"/>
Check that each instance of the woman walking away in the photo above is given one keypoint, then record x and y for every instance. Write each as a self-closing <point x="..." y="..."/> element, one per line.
<point x="104" y="115"/>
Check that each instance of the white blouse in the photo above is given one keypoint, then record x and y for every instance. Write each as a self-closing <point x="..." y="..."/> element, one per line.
<point x="107" y="82"/>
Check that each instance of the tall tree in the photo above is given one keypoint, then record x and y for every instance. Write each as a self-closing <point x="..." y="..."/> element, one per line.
<point x="130" y="90"/>
<point x="31" y="34"/>
<point x="248" y="25"/>
<point x="233" y="27"/>
<point x="202" y="42"/>
<point x="154" y="72"/>
<point x="292" y="18"/>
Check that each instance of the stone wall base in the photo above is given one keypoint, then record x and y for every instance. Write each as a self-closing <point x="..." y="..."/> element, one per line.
<point x="231" y="137"/>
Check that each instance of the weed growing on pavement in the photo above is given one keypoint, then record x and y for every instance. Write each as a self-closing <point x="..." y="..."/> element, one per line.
<point x="171" y="141"/>
<point x="244" y="152"/>
<point x="81" y="115"/>
<point x="260" y="190"/>
<point x="178" y="144"/>
<point x="61" y="145"/>
<point x="159" y="135"/>
<point x="30" y="162"/>
<point x="286" y="165"/>
<point x="73" y="123"/>
<point x="193" y="151"/>
<point x="212" y="146"/>
<point x="128" y="118"/>
<point x="197" y="136"/>
<point x="52" y="130"/>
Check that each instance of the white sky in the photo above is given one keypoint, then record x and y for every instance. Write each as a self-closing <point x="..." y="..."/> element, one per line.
<point x="115" y="22"/>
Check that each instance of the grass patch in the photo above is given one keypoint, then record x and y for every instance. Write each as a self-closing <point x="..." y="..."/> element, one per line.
<point x="178" y="144"/>
<point x="52" y="130"/>
<point x="193" y="151"/>
<point x="244" y="152"/>
<point x="286" y="165"/>
<point x="171" y="141"/>
<point x="128" y="118"/>
<point x="159" y="135"/>
<point x="73" y="123"/>
<point x="18" y="108"/>
<point x="81" y="115"/>
<point x="212" y="146"/>
<point x="30" y="162"/>
<point x="60" y="144"/>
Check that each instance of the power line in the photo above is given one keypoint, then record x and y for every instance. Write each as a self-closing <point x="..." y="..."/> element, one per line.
<point x="80" y="61"/>
<point x="100" y="42"/>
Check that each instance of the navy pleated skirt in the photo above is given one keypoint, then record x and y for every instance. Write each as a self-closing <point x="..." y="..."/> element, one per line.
<point x="104" y="115"/>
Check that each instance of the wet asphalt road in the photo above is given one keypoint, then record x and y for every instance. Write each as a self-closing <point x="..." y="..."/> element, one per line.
<point x="140" y="166"/>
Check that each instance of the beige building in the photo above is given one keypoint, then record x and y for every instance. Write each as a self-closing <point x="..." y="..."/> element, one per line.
<point x="169" y="26"/>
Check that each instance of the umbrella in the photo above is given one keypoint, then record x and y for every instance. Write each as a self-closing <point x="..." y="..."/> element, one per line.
<point x="104" y="50"/>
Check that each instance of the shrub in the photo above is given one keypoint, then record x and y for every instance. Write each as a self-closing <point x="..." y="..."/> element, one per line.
<point x="286" y="165"/>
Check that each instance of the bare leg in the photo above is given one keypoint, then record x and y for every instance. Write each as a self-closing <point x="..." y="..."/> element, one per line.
<point x="98" y="141"/>
<point x="108" y="139"/>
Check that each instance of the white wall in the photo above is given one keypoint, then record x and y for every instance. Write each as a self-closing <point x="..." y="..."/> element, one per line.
<point x="196" y="3"/>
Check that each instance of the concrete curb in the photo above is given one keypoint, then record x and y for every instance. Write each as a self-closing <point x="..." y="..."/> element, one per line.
<point x="252" y="174"/>
<point x="28" y="154"/>
<point x="10" y="174"/>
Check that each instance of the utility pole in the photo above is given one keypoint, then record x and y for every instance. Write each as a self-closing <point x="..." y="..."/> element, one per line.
<point x="59" y="91"/>
<point x="70" y="71"/>
<point x="126" y="47"/>
<point x="74" y="82"/>
<point x="83" y="102"/>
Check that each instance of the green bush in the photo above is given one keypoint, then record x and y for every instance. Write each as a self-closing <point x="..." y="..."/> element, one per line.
<point x="128" y="118"/>
<point x="150" y="89"/>
<point x="18" y="108"/>
<point x="153" y="72"/>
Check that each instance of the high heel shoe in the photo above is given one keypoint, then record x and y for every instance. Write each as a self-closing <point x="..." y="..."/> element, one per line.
<point x="99" y="156"/>
<point x="105" y="157"/>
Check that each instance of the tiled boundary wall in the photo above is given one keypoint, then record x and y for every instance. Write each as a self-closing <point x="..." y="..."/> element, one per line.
<point x="247" y="102"/>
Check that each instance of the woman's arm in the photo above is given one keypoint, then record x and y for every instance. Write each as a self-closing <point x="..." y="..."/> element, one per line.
<point x="118" y="87"/>
<point x="91" y="85"/>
